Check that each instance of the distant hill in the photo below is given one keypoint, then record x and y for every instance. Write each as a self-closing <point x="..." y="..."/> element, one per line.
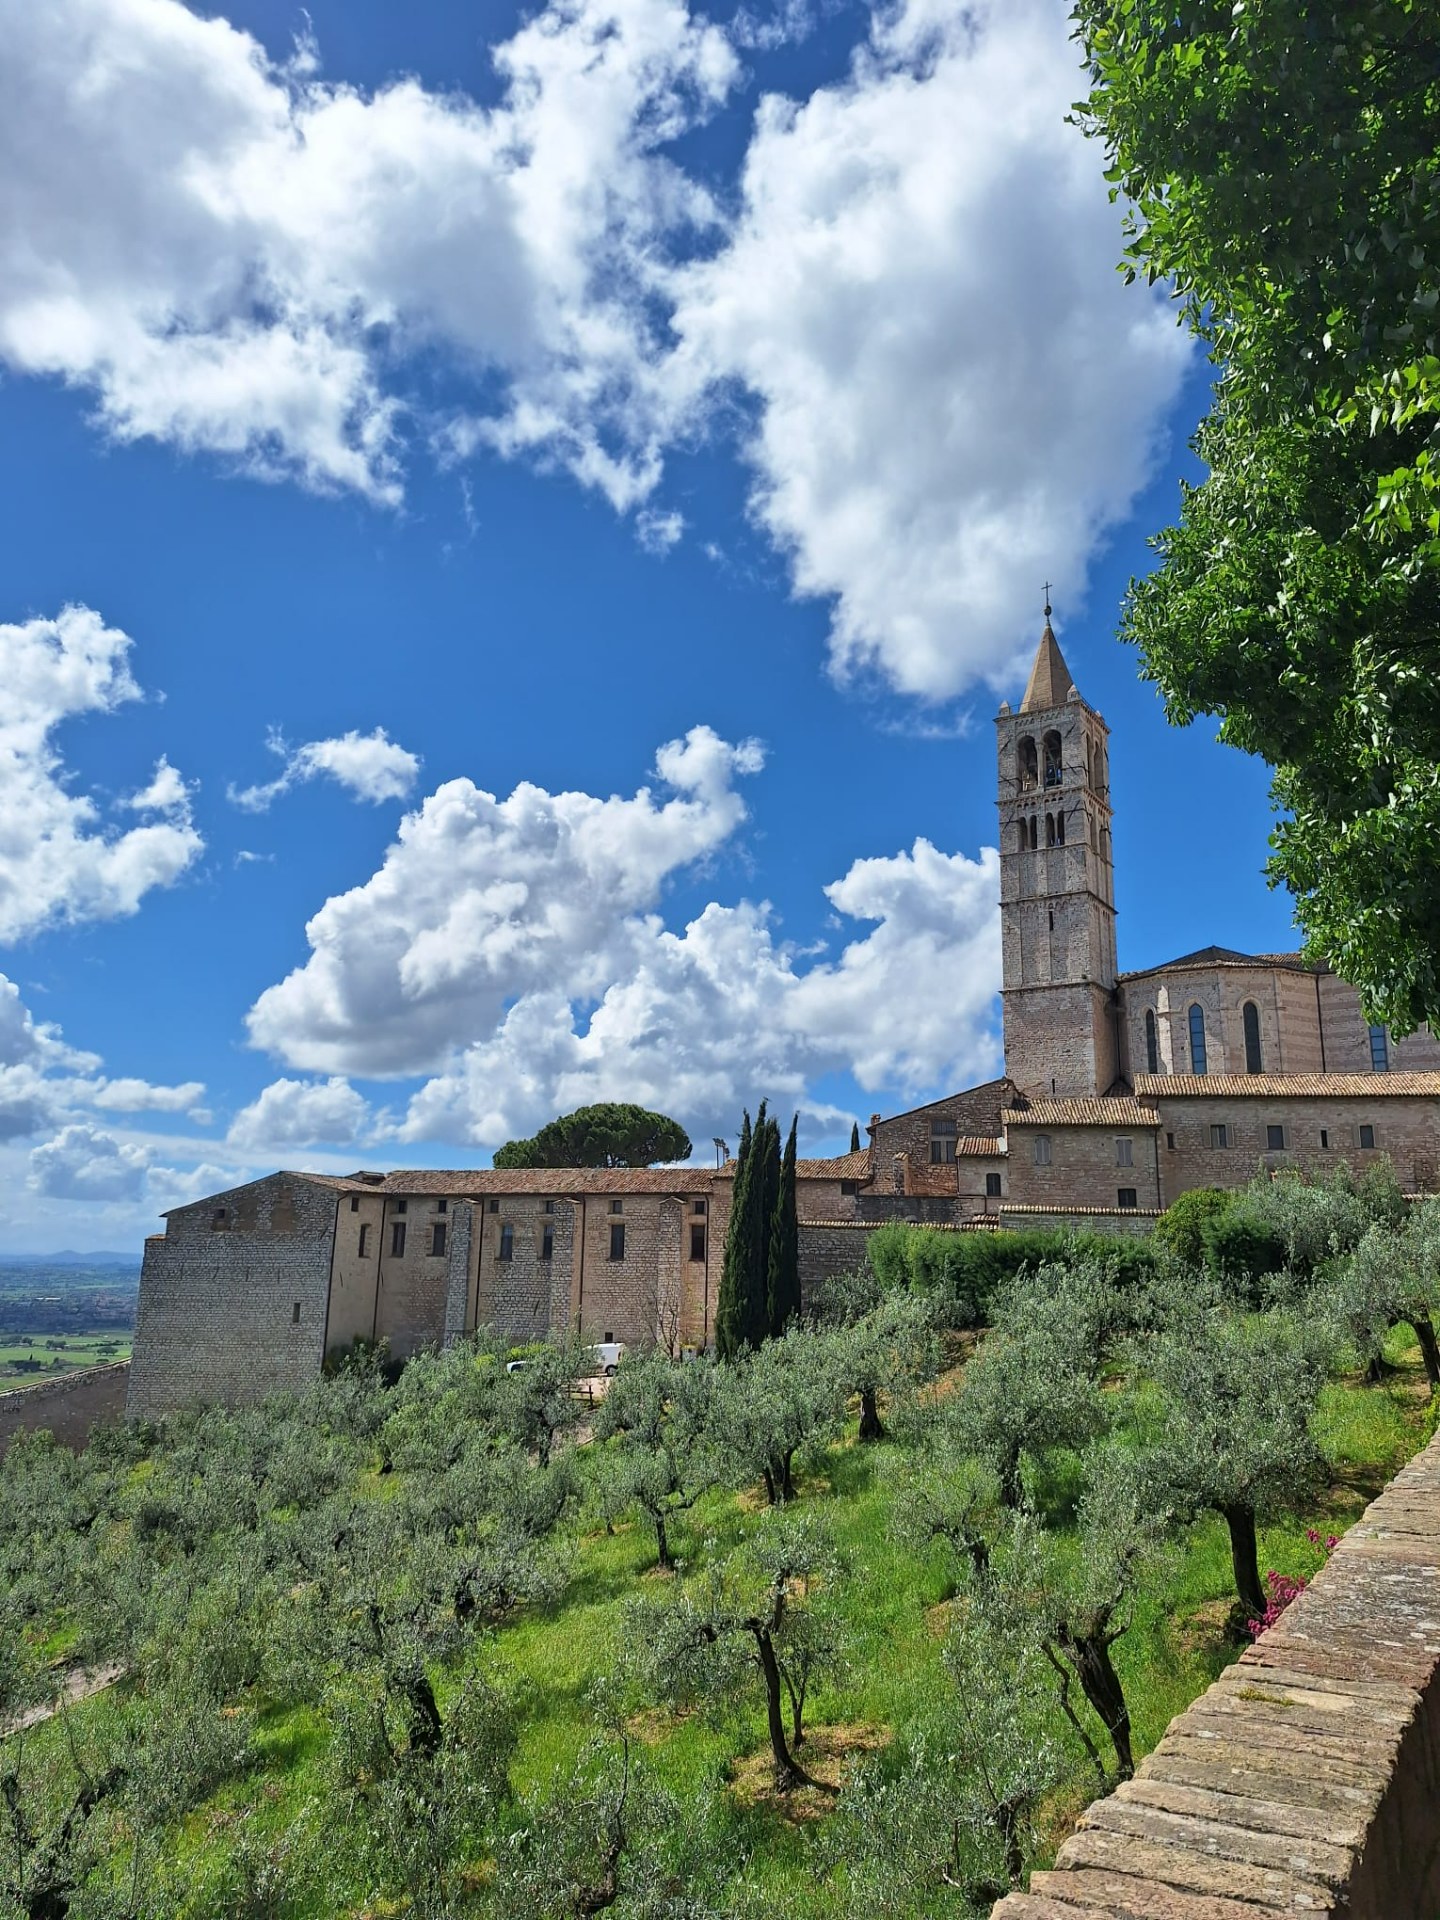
<point x="67" y="1257"/>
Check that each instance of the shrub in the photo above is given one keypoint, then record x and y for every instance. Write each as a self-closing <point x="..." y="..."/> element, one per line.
<point x="964" y="1272"/>
<point x="1242" y="1253"/>
<point x="1181" y="1228"/>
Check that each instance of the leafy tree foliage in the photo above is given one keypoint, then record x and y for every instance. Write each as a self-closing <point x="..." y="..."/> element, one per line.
<point x="760" y="1275"/>
<point x="657" y="1450"/>
<point x="1180" y="1230"/>
<point x="774" y="1402"/>
<point x="1393" y="1279"/>
<point x="611" y="1134"/>
<point x="1280" y="169"/>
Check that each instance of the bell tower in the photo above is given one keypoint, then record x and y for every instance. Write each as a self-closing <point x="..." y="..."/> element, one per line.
<point x="1057" y="886"/>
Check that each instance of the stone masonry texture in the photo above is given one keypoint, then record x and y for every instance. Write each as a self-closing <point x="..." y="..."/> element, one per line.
<point x="1307" y="1779"/>
<point x="69" y="1407"/>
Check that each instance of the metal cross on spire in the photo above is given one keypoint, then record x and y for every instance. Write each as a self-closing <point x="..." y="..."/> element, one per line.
<point x="1047" y="599"/>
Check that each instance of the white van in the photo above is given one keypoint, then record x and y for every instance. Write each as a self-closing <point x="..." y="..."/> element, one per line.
<point x="606" y="1355"/>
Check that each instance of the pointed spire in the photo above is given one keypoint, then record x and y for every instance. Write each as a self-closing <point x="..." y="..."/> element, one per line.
<point x="1049" y="684"/>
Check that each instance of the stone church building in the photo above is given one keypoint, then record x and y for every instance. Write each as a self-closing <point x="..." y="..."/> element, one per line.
<point x="1120" y="1091"/>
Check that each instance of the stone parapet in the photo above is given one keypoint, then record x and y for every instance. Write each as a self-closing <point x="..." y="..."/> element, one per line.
<point x="1307" y="1778"/>
<point x="67" y="1406"/>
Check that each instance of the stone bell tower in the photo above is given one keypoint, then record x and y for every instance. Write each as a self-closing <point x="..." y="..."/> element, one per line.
<point x="1057" y="887"/>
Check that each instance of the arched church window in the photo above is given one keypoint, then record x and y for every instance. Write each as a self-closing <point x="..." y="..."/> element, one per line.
<point x="1092" y="833"/>
<point x="1049" y="829"/>
<point x="1024" y="835"/>
<point x="1152" y="1043"/>
<point x="1089" y="763"/>
<point x="1029" y="771"/>
<point x="1198" y="1055"/>
<point x="1250" y="1014"/>
<point x="1034" y="833"/>
<point x="1059" y="829"/>
<point x="1054" y="770"/>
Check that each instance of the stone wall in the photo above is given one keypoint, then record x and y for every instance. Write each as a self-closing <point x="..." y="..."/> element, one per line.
<point x="1085" y="1167"/>
<point x="68" y="1407"/>
<point x="1135" y="1221"/>
<point x="829" y="1248"/>
<point x="1318" y="1132"/>
<point x="1307" y="1779"/>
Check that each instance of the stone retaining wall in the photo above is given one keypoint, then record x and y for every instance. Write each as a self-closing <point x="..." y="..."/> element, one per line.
<point x="69" y="1407"/>
<point x="1307" y="1779"/>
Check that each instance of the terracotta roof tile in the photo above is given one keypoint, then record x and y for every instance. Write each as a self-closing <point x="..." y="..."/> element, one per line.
<point x="559" y="1181"/>
<point x="980" y="1145"/>
<point x="1228" y="957"/>
<point x="1121" y="1112"/>
<point x="1275" y="1086"/>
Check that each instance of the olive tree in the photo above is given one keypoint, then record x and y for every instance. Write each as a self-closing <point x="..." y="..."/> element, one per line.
<point x="654" y="1449"/>
<point x="775" y="1401"/>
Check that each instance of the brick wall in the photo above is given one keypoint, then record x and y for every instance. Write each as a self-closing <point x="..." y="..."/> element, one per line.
<point x="69" y="1407"/>
<point x="1407" y="1129"/>
<point x="1307" y="1779"/>
<point x="1084" y="1167"/>
<point x="233" y="1297"/>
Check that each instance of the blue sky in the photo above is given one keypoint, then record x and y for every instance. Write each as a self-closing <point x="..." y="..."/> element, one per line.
<point x="671" y="416"/>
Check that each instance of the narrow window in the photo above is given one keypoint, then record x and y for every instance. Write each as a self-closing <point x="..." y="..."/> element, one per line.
<point x="1029" y="770"/>
<point x="942" y="1142"/>
<point x="397" y="1239"/>
<point x="549" y="1206"/>
<point x="1042" y="1149"/>
<point x="1059" y="829"/>
<point x="1152" y="1043"/>
<point x="617" y="1240"/>
<point x="442" y="1206"/>
<point x="1049" y="829"/>
<point x="547" y="1243"/>
<point x="1052" y="920"/>
<point x="617" y="1206"/>
<point x="1197" y="1039"/>
<point x="1367" y="1137"/>
<point x="1034" y="834"/>
<point x="1092" y="833"/>
<point x="1124" y="1153"/>
<point x="697" y="1243"/>
<point x="494" y="1206"/>
<point x="364" y="1246"/>
<point x="506" y="1248"/>
<point x="1023" y="833"/>
<point x="1379" y="1050"/>
<point x="1125" y="1196"/>
<point x="1324" y="1139"/>
<point x="295" y="1315"/>
<point x="217" y="1220"/>
<point x="1250" y="1014"/>
<point x="1220" y="1135"/>
<point x="1054" y="770"/>
<point x="1170" y="1141"/>
<point x="992" y="1186"/>
<point x="702" y="1206"/>
<point x="354" y="1203"/>
<point x="401" y="1205"/>
<point x="437" y="1238"/>
<point x="1275" y="1139"/>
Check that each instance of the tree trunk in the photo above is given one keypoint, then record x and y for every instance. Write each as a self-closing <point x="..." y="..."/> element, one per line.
<point x="662" y="1540"/>
<point x="1007" y="1815"/>
<point x="870" y="1427"/>
<point x="1245" y="1558"/>
<point x="426" y="1727"/>
<point x="1095" y="1670"/>
<point x="1429" y="1348"/>
<point x="1011" y="1489"/>
<point x="772" y="1490"/>
<point x="788" y="1773"/>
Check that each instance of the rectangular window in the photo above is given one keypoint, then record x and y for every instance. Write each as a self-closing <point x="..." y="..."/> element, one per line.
<point x="1170" y="1141"/>
<point x="1125" y="1196"/>
<point x="1379" y="1050"/>
<point x="992" y="1186"/>
<point x="217" y="1220"/>
<point x="397" y="1239"/>
<point x="1042" y="1149"/>
<point x="400" y="1205"/>
<point x="494" y="1206"/>
<point x="943" y="1135"/>
<point x="1220" y="1135"/>
<point x="1324" y="1139"/>
<point x="437" y="1238"/>
<point x="547" y="1243"/>
<point x="295" y="1316"/>
<point x="549" y="1206"/>
<point x="702" y="1206"/>
<point x="848" y="1188"/>
<point x="617" y="1206"/>
<point x="1124" y="1153"/>
<point x="1367" y="1137"/>
<point x="354" y="1203"/>
<point x="697" y="1243"/>
<point x="506" y="1248"/>
<point x="364" y="1246"/>
<point x="1275" y="1139"/>
<point x="617" y="1241"/>
<point x="442" y="1206"/>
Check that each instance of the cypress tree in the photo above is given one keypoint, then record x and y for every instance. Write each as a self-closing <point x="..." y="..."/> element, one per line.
<point x="854" y="1136"/>
<point x="759" y="1209"/>
<point x="735" y="1267"/>
<point x="784" y="1260"/>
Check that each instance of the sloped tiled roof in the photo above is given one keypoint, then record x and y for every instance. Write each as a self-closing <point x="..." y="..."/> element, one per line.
<point x="1277" y="1086"/>
<point x="547" y="1180"/>
<point x="1083" y="1112"/>
<point x="1227" y="957"/>
<point x="981" y="1146"/>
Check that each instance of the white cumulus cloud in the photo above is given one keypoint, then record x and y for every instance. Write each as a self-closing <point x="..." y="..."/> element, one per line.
<point x="515" y="952"/>
<point x="299" y="1113"/>
<point x="82" y="1163"/>
<point x="369" y="766"/>
<point x="58" y="860"/>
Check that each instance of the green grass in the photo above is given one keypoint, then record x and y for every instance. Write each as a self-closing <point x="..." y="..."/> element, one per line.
<point x="58" y="1353"/>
